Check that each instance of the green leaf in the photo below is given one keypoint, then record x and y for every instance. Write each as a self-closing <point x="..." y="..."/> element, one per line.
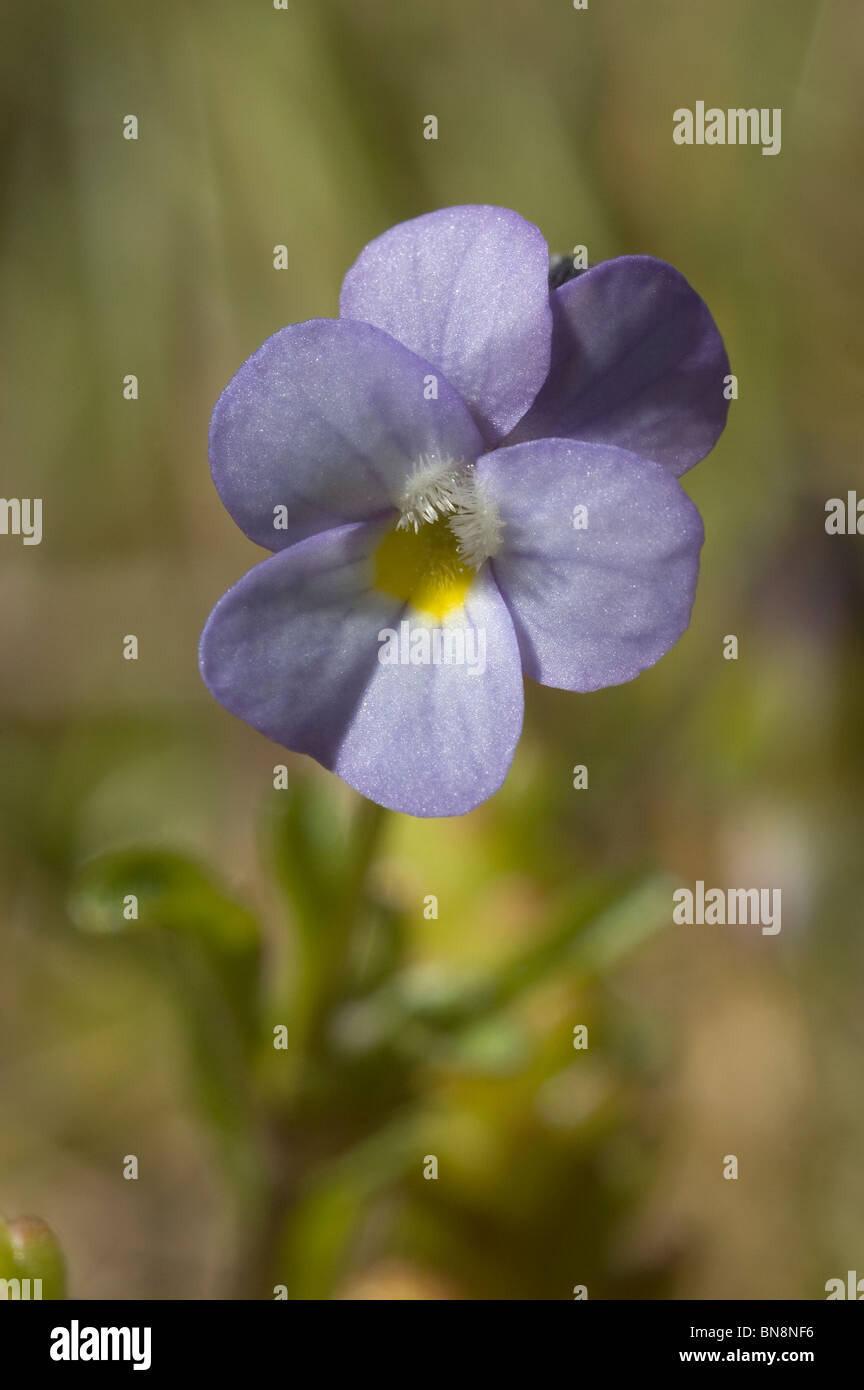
<point x="625" y="924"/>
<point x="208" y="947"/>
<point x="173" y="894"/>
<point x="170" y="891"/>
<point x="321" y="1228"/>
<point x="594" y="930"/>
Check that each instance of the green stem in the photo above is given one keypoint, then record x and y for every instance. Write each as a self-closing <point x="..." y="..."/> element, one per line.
<point x="289" y="1164"/>
<point x="367" y="829"/>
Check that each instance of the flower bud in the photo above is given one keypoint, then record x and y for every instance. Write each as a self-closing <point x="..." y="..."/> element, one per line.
<point x="36" y="1254"/>
<point x="7" y="1257"/>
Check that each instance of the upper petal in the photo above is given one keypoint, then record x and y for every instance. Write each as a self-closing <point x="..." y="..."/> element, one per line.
<point x="593" y="604"/>
<point x="467" y="289"/>
<point x="325" y="420"/>
<point x="637" y="361"/>
<point x="295" y="649"/>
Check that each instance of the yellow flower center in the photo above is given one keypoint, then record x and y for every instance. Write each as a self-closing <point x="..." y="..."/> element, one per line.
<point x="423" y="568"/>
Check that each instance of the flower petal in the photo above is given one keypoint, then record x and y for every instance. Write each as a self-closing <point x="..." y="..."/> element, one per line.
<point x="295" y="649"/>
<point x="326" y="420"/>
<point x="637" y="361"/>
<point x="466" y="288"/>
<point x="592" y="606"/>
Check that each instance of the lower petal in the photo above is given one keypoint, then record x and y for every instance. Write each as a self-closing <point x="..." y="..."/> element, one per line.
<point x="307" y="650"/>
<point x="598" y="562"/>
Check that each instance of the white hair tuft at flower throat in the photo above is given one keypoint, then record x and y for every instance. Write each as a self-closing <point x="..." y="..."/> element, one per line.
<point x="442" y="490"/>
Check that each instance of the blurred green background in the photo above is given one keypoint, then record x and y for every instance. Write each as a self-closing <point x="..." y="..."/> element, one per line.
<point x="410" y="1036"/>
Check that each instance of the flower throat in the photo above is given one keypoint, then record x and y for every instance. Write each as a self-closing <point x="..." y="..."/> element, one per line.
<point x="446" y="531"/>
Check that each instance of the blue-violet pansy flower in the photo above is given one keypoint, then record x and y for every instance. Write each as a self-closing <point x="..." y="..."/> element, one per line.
<point x="462" y="478"/>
